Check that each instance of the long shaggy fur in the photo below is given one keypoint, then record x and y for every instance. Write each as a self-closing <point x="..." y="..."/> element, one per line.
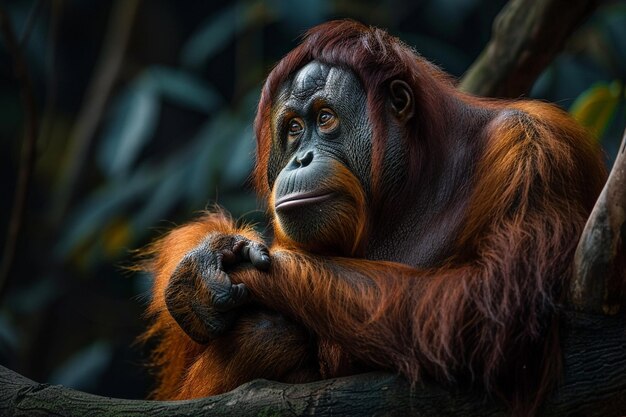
<point x="486" y="316"/>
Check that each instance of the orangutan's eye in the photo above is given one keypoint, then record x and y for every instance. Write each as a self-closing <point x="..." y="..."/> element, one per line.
<point x="327" y="120"/>
<point x="295" y="127"/>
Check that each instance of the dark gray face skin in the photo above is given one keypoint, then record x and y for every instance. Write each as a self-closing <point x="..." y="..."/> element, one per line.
<point x="420" y="227"/>
<point x="314" y="87"/>
<point x="329" y="105"/>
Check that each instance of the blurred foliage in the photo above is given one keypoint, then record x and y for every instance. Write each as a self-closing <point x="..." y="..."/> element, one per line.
<point x="177" y="137"/>
<point x="588" y="78"/>
<point x="596" y="107"/>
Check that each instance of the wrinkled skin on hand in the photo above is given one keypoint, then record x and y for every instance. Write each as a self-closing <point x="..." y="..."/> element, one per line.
<point x="200" y="295"/>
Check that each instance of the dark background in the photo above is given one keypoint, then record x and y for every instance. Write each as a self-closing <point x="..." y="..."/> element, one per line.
<point x="175" y="136"/>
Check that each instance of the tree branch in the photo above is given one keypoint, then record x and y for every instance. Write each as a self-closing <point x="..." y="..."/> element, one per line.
<point x="527" y="35"/>
<point x="594" y="385"/>
<point x="599" y="263"/>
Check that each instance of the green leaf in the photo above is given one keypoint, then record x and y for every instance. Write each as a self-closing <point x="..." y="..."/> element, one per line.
<point x="83" y="370"/>
<point x="596" y="107"/>
<point x="35" y="296"/>
<point x="217" y="32"/>
<point x="213" y="36"/>
<point x="309" y="13"/>
<point x="165" y="195"/>
<point x="213" y="141"/>
<point x="183" y="88"/>
<point x="133" y="122"/>
<point x="240" y="160"/>
<point x="610" y="21"/>
<point x="9" y="335"/>
<point x="88" y="219"/>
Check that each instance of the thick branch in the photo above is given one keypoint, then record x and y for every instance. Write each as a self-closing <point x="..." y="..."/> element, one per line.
<point x="594" y="385"/>
<point x="527" y="34"/>
<point x="599" y="267"/>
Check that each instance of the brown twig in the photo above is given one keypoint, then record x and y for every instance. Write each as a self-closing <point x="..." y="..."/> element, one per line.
<point x="599" y="261"/>
<point x="27" y="163"/>
<point x="527" y="35"/>
<point x="109" y="63"/>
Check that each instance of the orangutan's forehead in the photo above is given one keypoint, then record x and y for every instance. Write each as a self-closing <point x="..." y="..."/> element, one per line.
<point x="310" y="79"/>
<point x="317" y="79"/>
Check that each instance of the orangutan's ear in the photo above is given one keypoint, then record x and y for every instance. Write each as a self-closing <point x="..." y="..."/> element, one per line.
<point x="401" y="98"/>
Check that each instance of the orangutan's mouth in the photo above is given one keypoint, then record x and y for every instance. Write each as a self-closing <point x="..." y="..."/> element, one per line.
<point x="301" y="199"/>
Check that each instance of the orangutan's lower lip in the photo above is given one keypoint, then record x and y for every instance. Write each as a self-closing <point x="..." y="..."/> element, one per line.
<point x="302" y="199"/>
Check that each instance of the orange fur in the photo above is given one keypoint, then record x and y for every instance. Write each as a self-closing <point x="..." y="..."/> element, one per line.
<point x="176" y="353"/>
<point x="486" y="314"/>
<point x="348" y="232"/>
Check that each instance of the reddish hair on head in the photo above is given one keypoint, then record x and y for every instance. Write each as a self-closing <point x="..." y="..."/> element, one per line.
<point x="376" y="58"/>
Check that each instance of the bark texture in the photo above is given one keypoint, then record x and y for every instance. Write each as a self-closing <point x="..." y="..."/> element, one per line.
<point x="600" y="260"/>
<point x="527" y="35"/>
<point x="594" y="385"/>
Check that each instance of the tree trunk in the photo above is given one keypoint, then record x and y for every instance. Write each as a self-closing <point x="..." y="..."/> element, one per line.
<point x="594" y="385"/>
